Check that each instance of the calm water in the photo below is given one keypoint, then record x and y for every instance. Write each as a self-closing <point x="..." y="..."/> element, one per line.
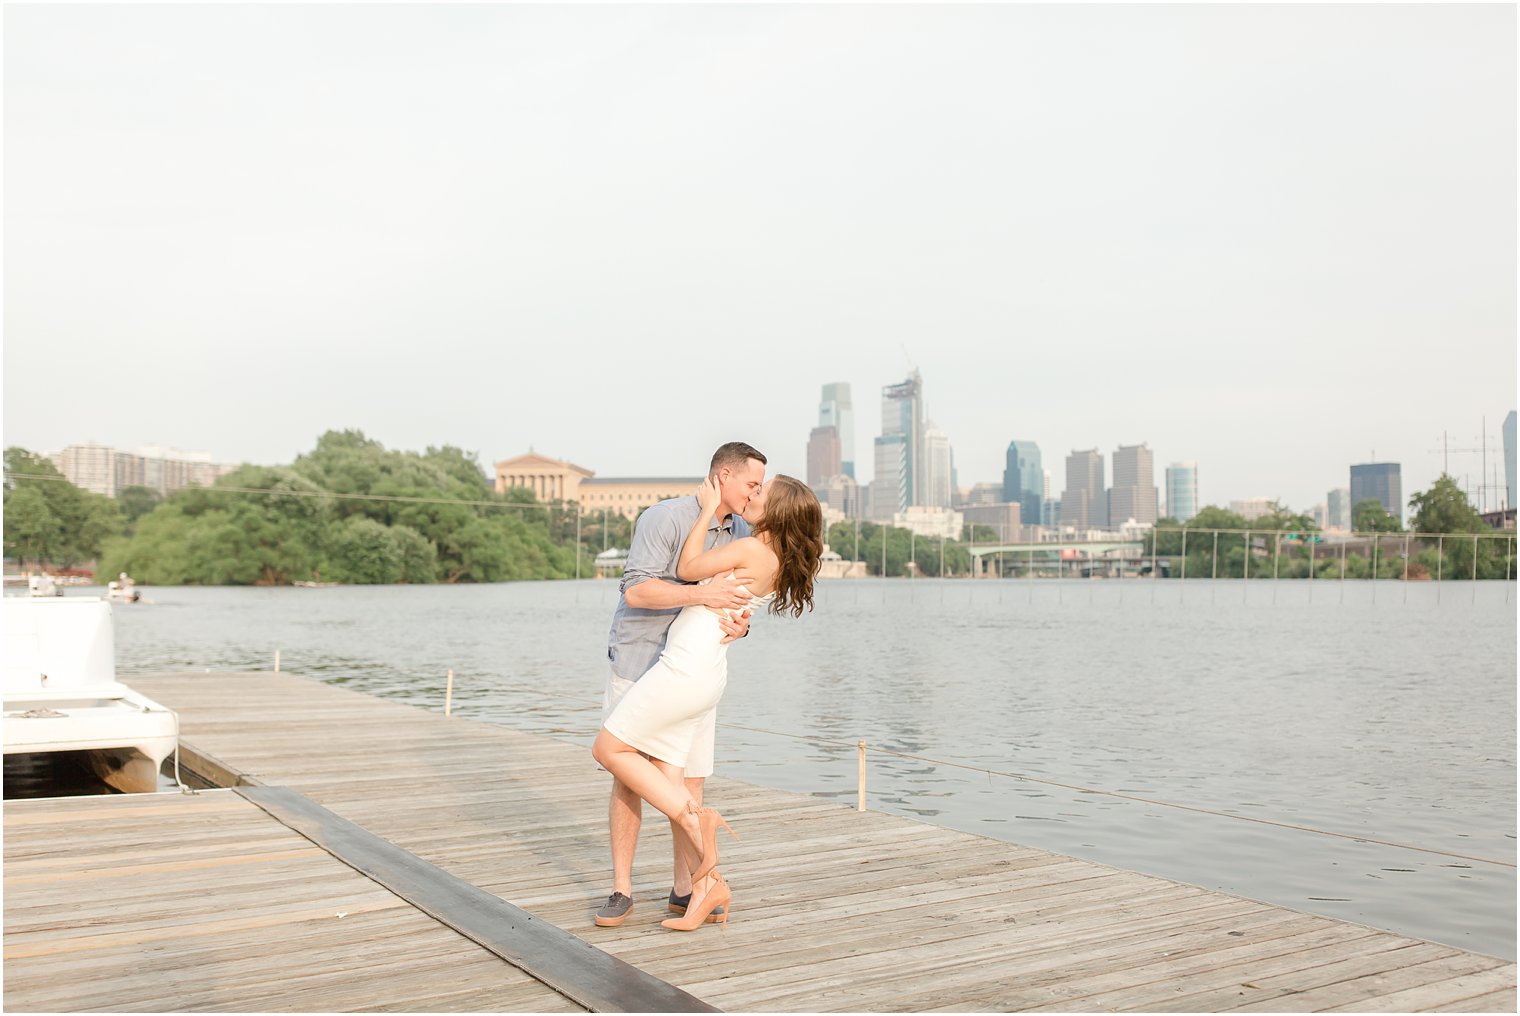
<point x="1361" y="709"/>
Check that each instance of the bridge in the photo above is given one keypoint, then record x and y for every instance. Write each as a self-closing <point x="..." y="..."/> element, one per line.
<point x="1078" y="555"/>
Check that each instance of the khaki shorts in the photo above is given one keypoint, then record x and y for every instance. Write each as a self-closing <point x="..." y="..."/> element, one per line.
<point x="699" y="759"/>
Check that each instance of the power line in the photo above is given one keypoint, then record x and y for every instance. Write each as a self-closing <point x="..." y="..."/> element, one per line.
<point x="325" y="493"/>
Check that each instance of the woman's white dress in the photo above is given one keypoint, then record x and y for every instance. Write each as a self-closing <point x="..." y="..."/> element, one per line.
<point x="661" y="714"/>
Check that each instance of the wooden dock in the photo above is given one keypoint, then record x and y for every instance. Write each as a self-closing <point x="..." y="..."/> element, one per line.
<point x="208" y="902"/>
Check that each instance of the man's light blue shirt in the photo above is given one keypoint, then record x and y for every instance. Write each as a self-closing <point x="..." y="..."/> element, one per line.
<point x="638" y="636"/>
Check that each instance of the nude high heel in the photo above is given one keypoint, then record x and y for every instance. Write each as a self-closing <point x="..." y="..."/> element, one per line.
<point x="710" y="821"/>
<point x="718" y="896"/>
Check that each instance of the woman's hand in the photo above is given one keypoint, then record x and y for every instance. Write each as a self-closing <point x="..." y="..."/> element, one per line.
<point x="708" y="495"/>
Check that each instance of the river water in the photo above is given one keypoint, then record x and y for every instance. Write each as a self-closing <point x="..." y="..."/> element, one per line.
<point x="1250" y="737"/>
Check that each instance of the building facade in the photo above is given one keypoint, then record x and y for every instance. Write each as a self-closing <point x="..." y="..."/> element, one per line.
<point x="1381" y="482"/>
<point x="1182" y="490"/>
<point x="106" y="470"/>
<point x="823" y="457"/>
<point x="1025" y="480"/>
<point x="930" y="522"/>
<point x="550" y="480"/>
<point x="890" y="484"/>
<point x="1133" y="495"/>
<point x="1338" y="509"/>
<point x="835" y="410"/>
<point x="1084" y="502"/>
<point x="545" y="478"/>
<point x="841" y="494"/>
<point x="901" y="445"/>
<point x="1253" y="507"/>
<point x="629" y="495"/>
<point x="939" y="469"/>
<point x="1005" y="519"/>
<point x="981" y="494"/>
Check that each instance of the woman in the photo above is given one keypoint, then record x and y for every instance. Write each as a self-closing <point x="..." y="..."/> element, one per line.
<point x="644" y="740"/>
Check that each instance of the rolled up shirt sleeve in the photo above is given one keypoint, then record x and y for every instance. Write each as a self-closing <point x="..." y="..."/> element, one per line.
<point x="656" y="540"/>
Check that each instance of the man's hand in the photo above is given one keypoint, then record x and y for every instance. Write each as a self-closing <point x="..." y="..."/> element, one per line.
<point x="724" y="591"/>
<point x="733" y="627"/>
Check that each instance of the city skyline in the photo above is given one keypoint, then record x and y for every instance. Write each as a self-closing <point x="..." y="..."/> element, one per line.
<point x="1085" y="226"/>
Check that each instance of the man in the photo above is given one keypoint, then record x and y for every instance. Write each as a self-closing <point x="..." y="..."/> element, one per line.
<point x="651" y="598"/>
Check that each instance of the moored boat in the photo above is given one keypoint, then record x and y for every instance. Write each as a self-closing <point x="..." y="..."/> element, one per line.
<point x="61" y="693"/>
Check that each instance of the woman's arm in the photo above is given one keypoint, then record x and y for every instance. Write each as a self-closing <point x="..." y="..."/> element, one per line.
<point x="708" y="499"/>
<point x="735" y="556"/>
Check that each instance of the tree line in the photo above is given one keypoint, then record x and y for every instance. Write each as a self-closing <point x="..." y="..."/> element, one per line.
<point x="354" y="512"/>
<point x="349" y="511"/>
<point x="1285" y="544"/>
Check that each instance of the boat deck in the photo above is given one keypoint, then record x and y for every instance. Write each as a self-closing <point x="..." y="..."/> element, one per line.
<point x="210" y="903"/>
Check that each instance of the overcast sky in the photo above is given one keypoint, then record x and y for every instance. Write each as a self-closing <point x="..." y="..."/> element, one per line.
<point x="1275" y="240"/>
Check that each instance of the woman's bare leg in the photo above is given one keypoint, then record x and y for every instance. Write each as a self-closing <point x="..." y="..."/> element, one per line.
<point x="659" y="783"/>
<point x="681" y="881"/>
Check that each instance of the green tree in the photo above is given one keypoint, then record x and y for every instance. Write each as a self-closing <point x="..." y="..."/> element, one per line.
<point x="1369" y="516"/>
<point x="32" y="531"/>
<point x="363" y="551"/>
<point x="84" y="520"/>
<point x="137" y="501"/>
<point x="1445" y="509"/>
<point x="214" y="536"/>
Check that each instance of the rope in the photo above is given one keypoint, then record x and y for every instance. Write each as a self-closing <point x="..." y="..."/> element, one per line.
<point x="1131" y="797"/>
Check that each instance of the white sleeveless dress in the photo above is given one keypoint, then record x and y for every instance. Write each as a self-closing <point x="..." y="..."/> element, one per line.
<point x="663" y="711"/>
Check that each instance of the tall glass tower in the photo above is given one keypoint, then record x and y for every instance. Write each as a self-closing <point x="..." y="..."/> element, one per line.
<point x="1024" y="481"/>
<point x="1182" y="490"/>
<point x="902" y="441"/>
<point x="1378" y="481"/>
<point x="836" y="411"/>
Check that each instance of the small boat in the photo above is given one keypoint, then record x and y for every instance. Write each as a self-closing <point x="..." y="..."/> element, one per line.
<point x="315" y="585"/>
<point x="61" y="693"/>
<point x="42" y="585"/>
<point x="122" y="590"/>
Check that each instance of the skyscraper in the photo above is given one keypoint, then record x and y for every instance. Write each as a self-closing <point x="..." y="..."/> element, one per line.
<point x="1509" y="460"/>
<point x="889" y="484"/>
<point x="1181" y="490"/>
<point x="1025" y="481"/>
<point x="939" y="469"/>
<point x="1338" y="508"/>
<point x="900" y="448"/>
<point x="823" y="459"/>
<point x="1379" y="481"/>
<point x="836" y="411"/>
<point x="839" y="493"/>
<point x="1134" y="492"/>
<point x="1084" y="503"/>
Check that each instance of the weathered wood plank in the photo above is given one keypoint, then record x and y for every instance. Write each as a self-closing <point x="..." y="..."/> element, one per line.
<point x="834" y="909"/>
<point x="187" y="936"/>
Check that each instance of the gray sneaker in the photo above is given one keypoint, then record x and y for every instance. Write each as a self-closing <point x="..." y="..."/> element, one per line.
<point x="614" y="910"/>
<point x="678" y="905"/>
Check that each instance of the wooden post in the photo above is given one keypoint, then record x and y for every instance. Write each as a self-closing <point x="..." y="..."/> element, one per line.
<point x="1374" y="566"/>
<point x="448" y="695"/>
<point x="860" y="803"/>
<point x="1440" y="564"/>
<point x="1475" y="569"/>
<point x="1214" y="576"/>
<point x="276" y="661"/>
<point x="1406" y="569"/>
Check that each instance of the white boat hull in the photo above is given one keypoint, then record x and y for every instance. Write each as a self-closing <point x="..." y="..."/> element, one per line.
<point x="61" y="693"/>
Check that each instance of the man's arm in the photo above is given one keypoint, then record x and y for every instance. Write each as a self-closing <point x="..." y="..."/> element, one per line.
<point x="656" y="538"/>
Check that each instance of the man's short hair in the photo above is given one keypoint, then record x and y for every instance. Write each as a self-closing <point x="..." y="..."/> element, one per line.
<point x="734" y="455"/>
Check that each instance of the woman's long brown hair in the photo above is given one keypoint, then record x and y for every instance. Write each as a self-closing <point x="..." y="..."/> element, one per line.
<point x="794" y="519"/>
